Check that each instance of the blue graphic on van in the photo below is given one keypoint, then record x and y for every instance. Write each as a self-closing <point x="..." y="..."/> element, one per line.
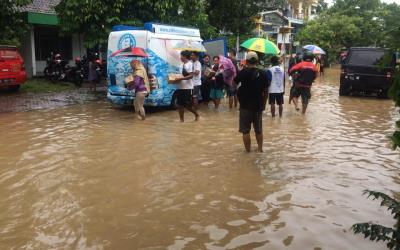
<point x="158" y="70"/>
<point x="126" y="41"/>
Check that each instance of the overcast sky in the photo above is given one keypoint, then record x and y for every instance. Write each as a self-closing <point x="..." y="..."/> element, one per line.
<point x="386" y="1"/>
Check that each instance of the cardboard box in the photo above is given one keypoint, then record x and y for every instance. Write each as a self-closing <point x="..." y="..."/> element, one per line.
<point x="172" y="77"/>
<point x="208" y="72"/>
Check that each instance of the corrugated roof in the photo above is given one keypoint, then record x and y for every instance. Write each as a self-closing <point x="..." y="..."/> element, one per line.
<point x="41" y="6"/>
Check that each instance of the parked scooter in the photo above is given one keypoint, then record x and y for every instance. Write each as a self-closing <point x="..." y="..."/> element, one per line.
<point x="55" y="67"/>
<point x="74" y="74"/>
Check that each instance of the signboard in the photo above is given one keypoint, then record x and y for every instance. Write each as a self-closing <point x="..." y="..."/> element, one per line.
<point x="216" y="47"/>
<point x="172" y="30"/>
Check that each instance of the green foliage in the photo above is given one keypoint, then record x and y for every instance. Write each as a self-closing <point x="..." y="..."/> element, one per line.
<point x="43" y="86"/>
<point x="331" y="32"/>
<point x="394" y="93"/>
<point x="12" y="23"/>
<point x="350" y="23"/>
<point x="377" y="232"/>
<point x="235" y="17"/>
<point x="391" y="26"/>
<point x="193" y="13"/>
<point x="321" y="6"/>
<point x="95" y="18"/>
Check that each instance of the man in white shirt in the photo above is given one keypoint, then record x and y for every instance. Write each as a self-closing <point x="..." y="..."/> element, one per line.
<point x="196" y="80"/>
<point x="184" y="93"/>
<point x="276" y="77"/>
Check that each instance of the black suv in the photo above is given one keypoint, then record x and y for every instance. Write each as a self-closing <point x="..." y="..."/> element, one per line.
<point x="367" y="70"/>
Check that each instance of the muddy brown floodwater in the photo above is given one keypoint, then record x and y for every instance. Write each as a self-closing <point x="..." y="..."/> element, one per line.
<point x="94" y="177"/>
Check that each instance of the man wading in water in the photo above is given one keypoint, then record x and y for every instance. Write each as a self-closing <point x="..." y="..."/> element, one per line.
<point x="185" y="92"/>
<point x="306" y="73"/>
<point x="252" y="95"/>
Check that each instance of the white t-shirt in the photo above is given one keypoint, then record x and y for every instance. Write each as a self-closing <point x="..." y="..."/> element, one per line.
<point x="278" y="80"/>
<point x="196" y="80"/>
<point x="187" y="84"/>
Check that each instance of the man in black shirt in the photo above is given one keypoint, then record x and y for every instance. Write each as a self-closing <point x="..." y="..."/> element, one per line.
<point x="252" y="95"/>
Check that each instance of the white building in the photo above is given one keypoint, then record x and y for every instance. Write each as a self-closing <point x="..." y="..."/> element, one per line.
<point x="44" y="37"/>
<point x="296" y="13"/>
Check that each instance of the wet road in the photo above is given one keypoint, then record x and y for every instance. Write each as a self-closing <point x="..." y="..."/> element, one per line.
<point x="93" y="177"/>
<point x="16" y="102"/>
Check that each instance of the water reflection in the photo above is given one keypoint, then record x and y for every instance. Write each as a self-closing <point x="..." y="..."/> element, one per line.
<point x="92" y="177"/>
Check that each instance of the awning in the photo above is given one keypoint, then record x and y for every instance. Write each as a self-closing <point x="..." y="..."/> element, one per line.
<point x="40" y="18"/>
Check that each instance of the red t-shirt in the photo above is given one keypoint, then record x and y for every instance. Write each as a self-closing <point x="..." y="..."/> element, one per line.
<point x="304" y="65"/>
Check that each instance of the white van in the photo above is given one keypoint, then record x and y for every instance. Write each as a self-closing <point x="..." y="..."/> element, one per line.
<point x="160" y="42"/>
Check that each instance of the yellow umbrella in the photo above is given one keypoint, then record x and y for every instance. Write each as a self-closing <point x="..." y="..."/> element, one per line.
<point x="261" y="45"/>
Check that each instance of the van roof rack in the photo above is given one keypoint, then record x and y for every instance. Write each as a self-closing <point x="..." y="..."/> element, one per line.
<point x="125" y="27"/>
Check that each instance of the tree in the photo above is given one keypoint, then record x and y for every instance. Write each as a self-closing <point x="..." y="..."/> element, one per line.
<point x="394" y="93"/>
<point x="13" y="26"/>
<point x="390" y="26"/>
<point x="331" y="32"/>
<point x="95" y="18"/>
<point x="321" y="6"/>
<point x="377" y="232"/>
<point x="192" y="13"/>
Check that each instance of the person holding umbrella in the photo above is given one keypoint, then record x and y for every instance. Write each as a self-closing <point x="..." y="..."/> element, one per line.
<point x="139" y="82"/>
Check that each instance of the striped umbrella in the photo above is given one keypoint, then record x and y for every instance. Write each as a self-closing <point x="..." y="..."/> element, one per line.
<point x="314" y="49"/>
<point x="261" y="45"/>
<point x="131" y="51"/>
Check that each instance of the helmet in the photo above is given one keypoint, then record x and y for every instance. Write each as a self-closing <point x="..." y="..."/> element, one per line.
<point x="308" y="56"/>
<point x="77" y="59"/>
<point x="98" y="61"/>
<point x="57" y="56"/>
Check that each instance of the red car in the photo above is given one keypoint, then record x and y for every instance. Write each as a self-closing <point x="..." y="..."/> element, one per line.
<point x="12" y="68"/>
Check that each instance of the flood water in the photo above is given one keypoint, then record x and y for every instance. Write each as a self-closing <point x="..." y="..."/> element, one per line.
<point x="94" y="177"/>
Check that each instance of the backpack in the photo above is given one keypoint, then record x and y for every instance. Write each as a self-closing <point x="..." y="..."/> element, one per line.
<point x="306" y="76"/>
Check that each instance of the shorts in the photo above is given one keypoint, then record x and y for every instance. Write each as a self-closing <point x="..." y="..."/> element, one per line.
<point x="275" y="98"/>
<point x="216" y="94"/>
<point x="197" y="92"/>
<point x="184" y="97"/>
<point x="305" y="94"/>
<point x="231" y="90"/>
<point x="246" y="118"/>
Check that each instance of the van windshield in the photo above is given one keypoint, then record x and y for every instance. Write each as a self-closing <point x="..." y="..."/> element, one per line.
<point x="366" y="57"/>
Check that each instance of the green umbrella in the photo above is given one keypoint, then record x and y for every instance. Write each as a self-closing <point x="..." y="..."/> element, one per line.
<point x="261" y="45"/>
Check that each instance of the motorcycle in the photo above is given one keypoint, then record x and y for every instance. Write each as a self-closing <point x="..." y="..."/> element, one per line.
<point x="55" y="67"/>
<point x="74" y="74"/>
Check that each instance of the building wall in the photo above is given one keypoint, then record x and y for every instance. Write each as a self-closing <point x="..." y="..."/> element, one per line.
<point x="26" y="51"/>
<point x="37" y="68"/>
<point x="78" y="50"/>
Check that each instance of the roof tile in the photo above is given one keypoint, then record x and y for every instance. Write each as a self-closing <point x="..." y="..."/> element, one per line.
<point x="41" y="6"/>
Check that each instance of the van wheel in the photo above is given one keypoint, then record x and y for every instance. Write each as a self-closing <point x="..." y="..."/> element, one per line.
<point x="343" y="90"/>
<point x="174" y="100"/>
